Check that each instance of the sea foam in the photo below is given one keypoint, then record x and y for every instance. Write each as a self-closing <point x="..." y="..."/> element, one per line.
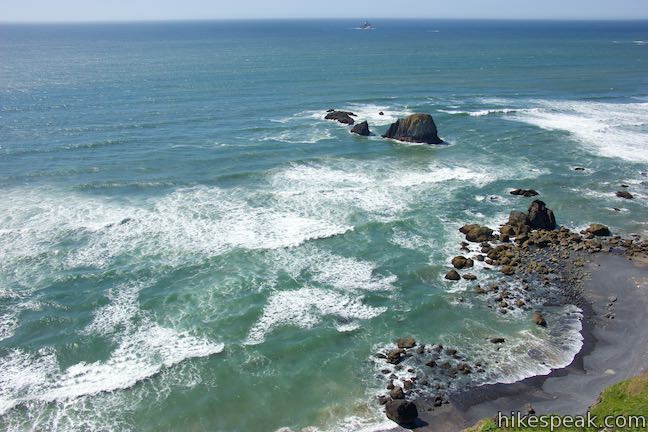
<point x="305" y="308"/>
<point x="617" y="130"/>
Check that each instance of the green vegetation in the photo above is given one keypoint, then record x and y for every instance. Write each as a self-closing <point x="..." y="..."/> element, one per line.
<point x="627" y="398"/>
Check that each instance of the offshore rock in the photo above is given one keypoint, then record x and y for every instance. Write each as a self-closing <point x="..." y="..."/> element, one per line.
<point x="361" y="129"/>
<point x="343" y="117"/>
<point x="624" y="194"/>
<point x="524" y="192"/>
<point x="417" y="128"/>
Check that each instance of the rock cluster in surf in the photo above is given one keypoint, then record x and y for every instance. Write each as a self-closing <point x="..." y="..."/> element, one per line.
<point x="416" y="128"/>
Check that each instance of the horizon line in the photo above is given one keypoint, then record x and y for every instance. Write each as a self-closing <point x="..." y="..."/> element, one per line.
<point x="233" y="19"/>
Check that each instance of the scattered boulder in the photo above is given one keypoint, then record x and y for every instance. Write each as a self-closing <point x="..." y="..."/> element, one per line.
<point x="624" y="194"/>
<point x="395" y="356"/>
<point x="507" y="230"/>
<point x="417" y="128"/>
<point x="401" y="412"/>
<point x="497" y="340"/>
<point x="460" y="262"/>
<point x="538" y="319"/>
<point x="397" y="393"/>
<point x="406" y="342"/>
<point x="361" y="129"/>
<point x="343" y="117"/>
<point x="507" y="270"/>
<point x="518" y="219"/>
<point x="579" y="169"/>
<point x="453" y="275"/>
<point x="476" y="233"/>
<point x="541" y="217"/>
<point x="470" y="277"/>
<point x="598" y="230"/>
<point x="381" y="113"/>
<point x="524" y="192"/>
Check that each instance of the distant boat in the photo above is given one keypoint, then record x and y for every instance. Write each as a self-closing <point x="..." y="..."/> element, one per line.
<point x="365" y="25"/>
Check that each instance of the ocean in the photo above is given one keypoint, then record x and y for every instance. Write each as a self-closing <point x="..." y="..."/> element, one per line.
<point x="186" y="244"/>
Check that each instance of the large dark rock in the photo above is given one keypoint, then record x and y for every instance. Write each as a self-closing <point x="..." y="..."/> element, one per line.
<point x="402" y="412"/>
<point x="361" y="129"/>
<point x="453" y="275"/>
<point x="540" y="217"/>
<point x="418" y="128"/>
<point x="343" y="117"/>
<point x="460" y="262"/>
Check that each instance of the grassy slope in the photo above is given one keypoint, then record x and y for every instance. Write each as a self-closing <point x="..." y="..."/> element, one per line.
<point x="628" y="397"/>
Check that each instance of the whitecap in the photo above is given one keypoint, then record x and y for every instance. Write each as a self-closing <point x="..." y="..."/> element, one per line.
<point x="480" y="113"/>
<point x="305" y="308"/>
<point x="346" y="274"/>
<point x="617" y="130"/>
<point x="143" y="350"/>
<point x="187" y="222"/>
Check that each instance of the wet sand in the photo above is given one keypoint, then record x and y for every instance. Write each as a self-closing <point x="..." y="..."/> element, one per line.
<point x="613" y="350"/>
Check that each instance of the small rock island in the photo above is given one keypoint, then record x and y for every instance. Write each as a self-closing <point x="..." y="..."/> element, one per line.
<point x="416" y="128"/>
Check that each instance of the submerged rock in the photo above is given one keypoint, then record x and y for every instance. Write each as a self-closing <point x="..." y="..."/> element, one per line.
<point x="401" y="411"/>
<point x="624" y="194"/>
<point x="361" y="129"/>
<point x="343" y="117"/>
<point x="417" y="128"/>
<point x="406" y="342"/>
<point x="538" y="319"/>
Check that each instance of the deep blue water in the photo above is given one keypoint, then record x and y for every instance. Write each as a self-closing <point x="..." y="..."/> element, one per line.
<point x="186" y="244"/>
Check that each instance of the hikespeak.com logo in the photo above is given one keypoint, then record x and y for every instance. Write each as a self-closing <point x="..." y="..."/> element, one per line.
<point x="517" y="419"/>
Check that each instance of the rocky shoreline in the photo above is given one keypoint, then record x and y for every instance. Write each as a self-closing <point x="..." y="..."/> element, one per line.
<point x="539" y="265"/>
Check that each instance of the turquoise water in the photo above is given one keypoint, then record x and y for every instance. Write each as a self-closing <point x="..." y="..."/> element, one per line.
<point x="185" y="244"/>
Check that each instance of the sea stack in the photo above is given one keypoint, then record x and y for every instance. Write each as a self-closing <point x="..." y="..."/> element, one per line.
<point x="417" y="128"/>
<point x="361" y="129"/>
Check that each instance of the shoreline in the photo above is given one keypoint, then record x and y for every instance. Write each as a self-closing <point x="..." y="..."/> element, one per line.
<point x="620" y="343"/>
<point x="612" y="293"/>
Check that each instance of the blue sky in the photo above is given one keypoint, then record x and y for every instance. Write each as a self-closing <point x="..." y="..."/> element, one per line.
<point x="119" y="10"/>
